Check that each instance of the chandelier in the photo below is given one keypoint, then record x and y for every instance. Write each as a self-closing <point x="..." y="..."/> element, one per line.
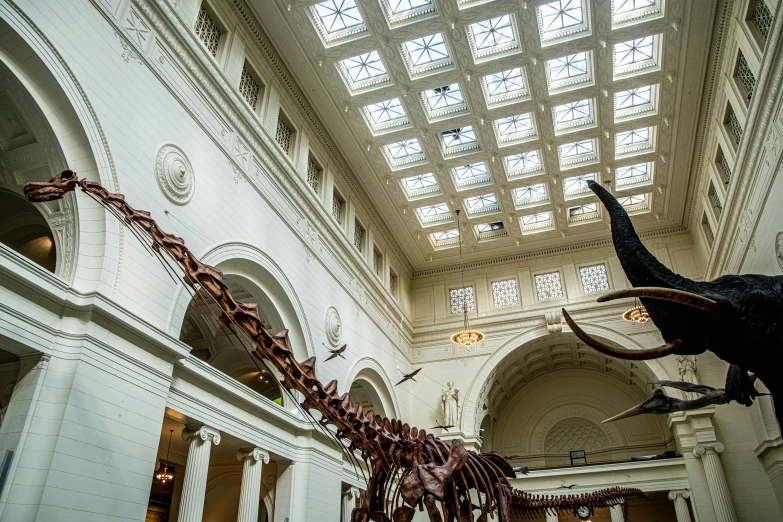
<point x="467" y="337"/>
<point x="164" y="475"/>
<point x="637" y="314"/>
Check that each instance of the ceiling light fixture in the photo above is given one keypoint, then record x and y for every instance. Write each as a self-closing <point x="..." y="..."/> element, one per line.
<point x="467" y="337"/>
<point x="637" y="314"/>
<point x="164" y="476"/>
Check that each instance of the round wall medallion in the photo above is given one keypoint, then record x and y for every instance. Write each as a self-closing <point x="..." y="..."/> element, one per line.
<point x="333" y="326"/>
<point x="174" y="174"/>
<point x="779" y="249"/>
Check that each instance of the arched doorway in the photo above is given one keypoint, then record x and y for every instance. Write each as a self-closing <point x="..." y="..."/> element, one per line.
<point x="370" y="385"/>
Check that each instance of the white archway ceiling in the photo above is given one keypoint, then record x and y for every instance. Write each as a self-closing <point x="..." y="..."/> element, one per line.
<point x="532" y="95"/>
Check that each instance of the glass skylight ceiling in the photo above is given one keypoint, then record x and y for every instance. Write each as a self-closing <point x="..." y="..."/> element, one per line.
<point x="531" y="195"/>
<point x="491" y="38"/>
<point x="505" y="87"/>
<point x="636" y="203"/>
<point x="434" y="214"/>
<point x="538" y="222"/>
<point x="399" y="12"/>
<point x="628" y="12"/>
<point x="444" y="239"/>
<point x="523" y="165"/>
<point x="488" y="231"/>
<point x="578" y="153"/>
<point x="458" y="141"/>
<point x="633" y="175"/>
<point x="337" y="21"/>
<point x="638" y="102"/>
<point x="485" y="204"/>
<point x="576" y="186"/>
<point x="421" y="186"/>
<point x="569" y="72"/>
<point x="363" y="72"/>
<point x="470" y="176"/>
<point x="426" y="55"/>
<point x="404" y="153"/>
<point x="515" y="129"/>
<point x="634" y="142"/>
<point x="637" y="56"/>
<point x="583" y="213"/>
<point x="574" y="116"/>
<point x="443" y="102"/>
<point x="563" y="20"/>
<point x="385" y="116"/>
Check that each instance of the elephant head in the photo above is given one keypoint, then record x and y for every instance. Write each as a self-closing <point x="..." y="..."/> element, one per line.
<point x="737" y="317"/>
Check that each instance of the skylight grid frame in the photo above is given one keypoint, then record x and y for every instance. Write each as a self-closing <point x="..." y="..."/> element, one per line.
<point x="404" y="154"/>
<point x="557" y="21"/>
<point x="505" y="87"/>
<point x="493" y="38"/>
<point x="436" y="214"/>
<point x="575" y="187"/>
<point x="420" y="186"/>
<point x="470" y="176"/>
<point x="578" y="154"/>
<point x="636" y="203"/>
<point x="633" y="176"/>
<point x="636" y="102"/>
<point x="444" y="239"/>
<point x="482" y="205"/>
<point x="438" y="55"/>
<point x="490" y="231"/>
<point x="330" y="31"/>
<point x="585" y="213"/>
<point x="403" y="12"/>
<point x="523" y="165"/>
<point x="443" y="102"/>
<point x="637" y="56"/>
<point x="385" y="116"/>
<point x="635" y="142"/>
<point x="458" y="142"/>
<point x="363" y="72"/>
<point x="574" y="116"/>
<point x="518" y="128"/>
<point x="531" y="196"/>
<point x="569" y="72"/>
<point x="631" y="12"/>
<point x="535" y="223"/>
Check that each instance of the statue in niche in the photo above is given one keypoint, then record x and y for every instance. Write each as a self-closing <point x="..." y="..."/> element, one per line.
<point x="686" y="366"/>
<point x="449" y="403"/>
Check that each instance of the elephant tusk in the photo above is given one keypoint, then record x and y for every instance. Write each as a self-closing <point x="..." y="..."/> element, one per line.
<point x="665" y="294"/>
<point x="621" y="353"/>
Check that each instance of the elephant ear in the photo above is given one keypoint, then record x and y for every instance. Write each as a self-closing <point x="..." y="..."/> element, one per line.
<point x="740" y="386"/>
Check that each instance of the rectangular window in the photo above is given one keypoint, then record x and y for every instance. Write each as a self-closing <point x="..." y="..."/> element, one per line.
<point x="578" y="458"/>
<point x="745" y="78"/>
<point x="548" y="286"/>
<point x="358" y="235"/>
<point x="761" y="17"/>
<point x="338" y="207"/>
<point x="733" y="125"/>
<point x="462" y="300"/>
<point x="377" y="261"/>
<point x="712" y="196"/>
<point x="208" y="31"/>
<point x="249" y="88"/>
<point x="722" y="164"/>
<point x="504" y="293"/>
<point x="392" y="283"/>
<point x="594" y="278"/>
<point x="705" y="226"/>
<point x="284" y="133"/>
<point x="314" y="173"/>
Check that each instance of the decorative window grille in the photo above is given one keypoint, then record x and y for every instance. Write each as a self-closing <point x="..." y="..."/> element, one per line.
<point x="504" y="293"/>
<point x="594" y="278"/>
<point x="723" y="167"/>
<point x="249" y="88"/>
<point x="462" y="297"/>
<point x="208" y="31"/>
<point x="283" y="134"/>
<point x="734" y="126"/>
<point x="548" y="286"/>
<point x="393" y="283"/>
<point x="762" y="18"/>
<point x="377" y="262"/>
<point x="338" y="207"/>
<point x="358" y="235"/>
<point x="712" y="195"/>
<point x="745" y="78"/>
<point x="705" y="226"/>
<point x="313" y="174"/>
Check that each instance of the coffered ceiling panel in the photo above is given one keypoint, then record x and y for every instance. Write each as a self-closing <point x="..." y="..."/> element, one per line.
<point x="503" y="110"/>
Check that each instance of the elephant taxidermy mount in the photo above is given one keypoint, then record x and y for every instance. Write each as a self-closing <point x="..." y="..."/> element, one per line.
<point x="737" y="317"/>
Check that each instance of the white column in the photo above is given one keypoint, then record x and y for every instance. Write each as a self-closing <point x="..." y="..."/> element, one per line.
<point x="191" y="507"/>
<point x="616" y="512"/>
<point x="551" y="516"/>
<point x="716" y="481"/>
<point x="679" y="498"/>
<point x="250" y="494"/>
<point x="349" y="502"/>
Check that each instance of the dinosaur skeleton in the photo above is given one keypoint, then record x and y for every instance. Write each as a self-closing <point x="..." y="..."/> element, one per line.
<point x="737" y="317"/>
<point x="407" y="466"/>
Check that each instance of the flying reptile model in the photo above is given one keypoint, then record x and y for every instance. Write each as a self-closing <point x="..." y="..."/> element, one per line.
<point x="563" y="486"/>
<point x="336" y="353"/>
<point x="444" y="428"/>
<point x="408" y="376"/>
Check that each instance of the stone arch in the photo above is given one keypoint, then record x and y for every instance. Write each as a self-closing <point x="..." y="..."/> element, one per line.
<point x="473" y="412"/>
<point x="371" y="375"/>
<point x="36" y="75"/>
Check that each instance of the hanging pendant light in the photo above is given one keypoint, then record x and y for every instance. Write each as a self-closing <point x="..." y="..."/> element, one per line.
<point x="468" y="336"/>
<point x="637" y="314"/>
<point x="164" y="475"/>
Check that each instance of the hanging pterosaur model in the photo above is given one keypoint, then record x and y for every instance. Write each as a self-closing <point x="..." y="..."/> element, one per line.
<point x="408" y="467"/>
<point x="737" y="317"/>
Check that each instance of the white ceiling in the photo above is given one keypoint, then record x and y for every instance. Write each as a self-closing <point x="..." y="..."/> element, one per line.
<point x="402" y="108"/>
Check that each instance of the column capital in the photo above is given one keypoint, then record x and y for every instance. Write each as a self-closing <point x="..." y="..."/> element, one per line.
<point x="684" y="493"/>
<point x="355" y="492"/>
<point x="253" y="453"/>
<point x="701" y="449"/>
<point x="205" y="433"/>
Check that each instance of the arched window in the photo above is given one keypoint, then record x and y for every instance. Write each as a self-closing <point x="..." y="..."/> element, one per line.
<point x="24" y="229"/>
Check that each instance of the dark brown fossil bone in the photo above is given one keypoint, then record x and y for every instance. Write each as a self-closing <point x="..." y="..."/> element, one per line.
<point x="407" y="465"/>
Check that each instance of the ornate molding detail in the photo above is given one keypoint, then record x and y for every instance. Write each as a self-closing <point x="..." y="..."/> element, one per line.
<point x="253" y="453"/>
<point x="204" y="433"/>
<point x="684" y="493"/>
<point x="174" y="174"/>
<point x="701" y="449"/>
<point x="554" y="321"/>
<point x="333" y="327"/>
